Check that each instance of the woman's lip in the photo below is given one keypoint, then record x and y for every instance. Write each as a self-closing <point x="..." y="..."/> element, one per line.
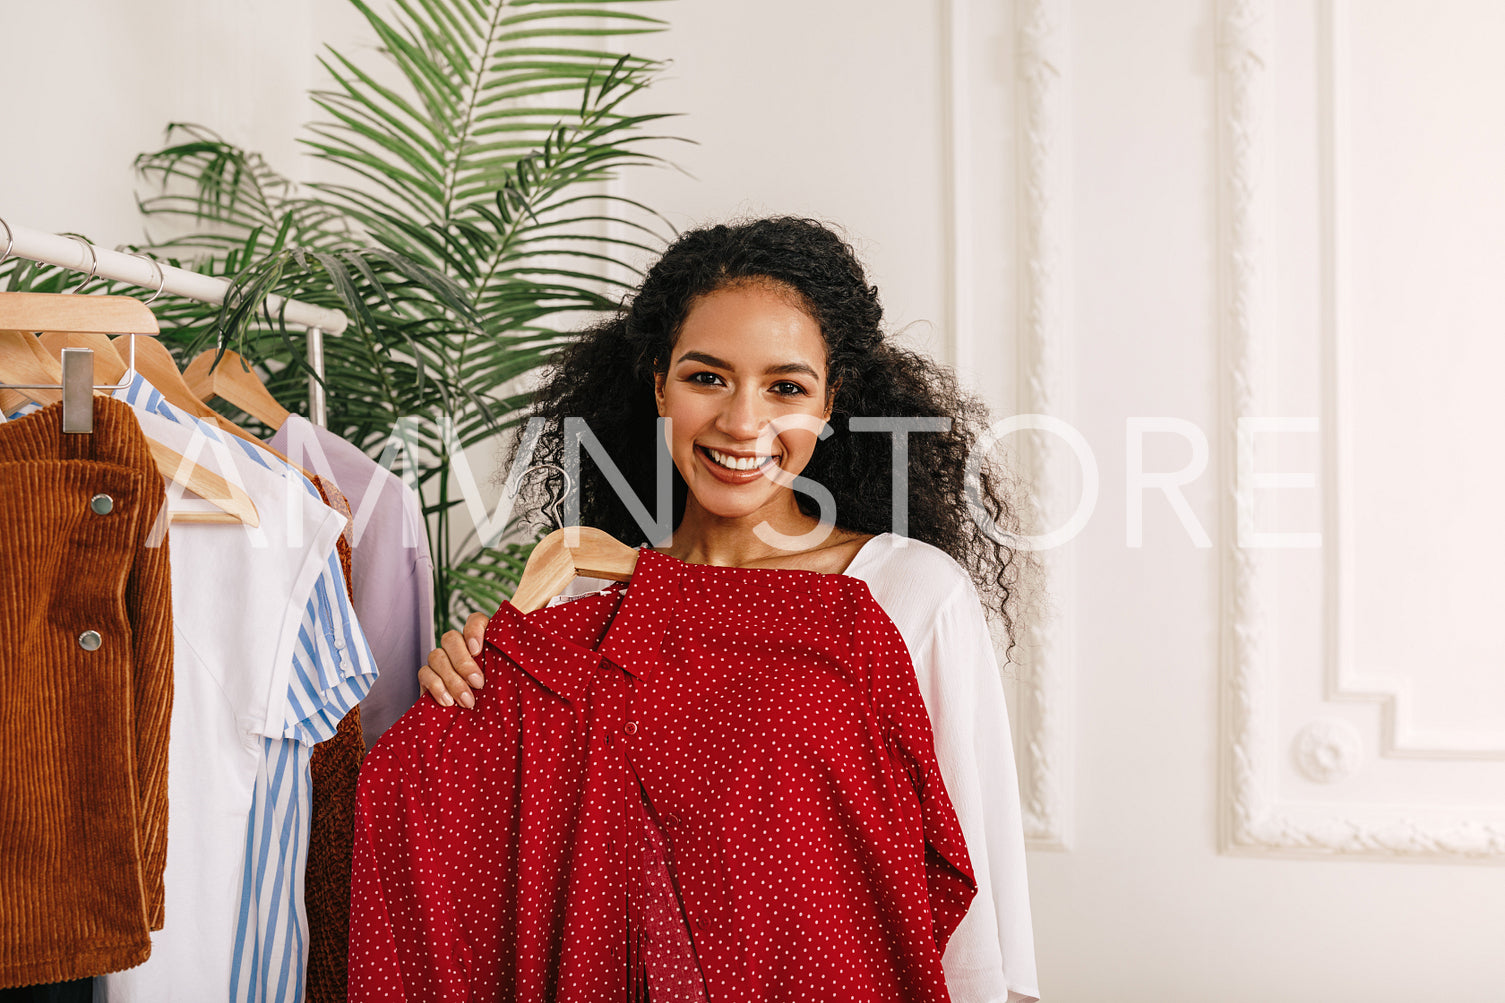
<point x="730" y="476"/>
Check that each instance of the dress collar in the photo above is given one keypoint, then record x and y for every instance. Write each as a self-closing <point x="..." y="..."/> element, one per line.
<point x="639" y="639"/>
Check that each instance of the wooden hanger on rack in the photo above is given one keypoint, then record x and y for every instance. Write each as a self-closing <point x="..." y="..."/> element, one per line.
<point x="76" y="314"/>
<point x="68" y="317"/>
<point x="19" y="363"/>
<point x="109" y="367"/>
<point x="553" y="564"/>
<point x="156" y="363"/>
<point x="24" y="360"/>
<point x="234" y="381"/>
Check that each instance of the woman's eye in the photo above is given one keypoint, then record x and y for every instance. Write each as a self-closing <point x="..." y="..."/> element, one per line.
<point x="705" y="379"/>
<point x="784" y="388"/>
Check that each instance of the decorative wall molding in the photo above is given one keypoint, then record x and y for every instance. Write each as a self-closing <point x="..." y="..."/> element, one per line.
<point x="1253" y="819"/>
<point x="1328" y="751"/>
<point x="1043" y="228"/>
<point x="1345" y="678"/>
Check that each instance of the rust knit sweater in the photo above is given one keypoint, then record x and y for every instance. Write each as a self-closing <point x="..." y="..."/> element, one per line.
<point x="83" y="726"/>
<point x="335" y="765"/>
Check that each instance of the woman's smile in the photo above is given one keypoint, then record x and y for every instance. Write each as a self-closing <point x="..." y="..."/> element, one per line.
<point x="734" y="468"/>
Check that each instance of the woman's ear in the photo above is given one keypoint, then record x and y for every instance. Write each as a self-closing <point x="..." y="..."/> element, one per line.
<point x="831" y="399"/>
<point x="658" y="390"/>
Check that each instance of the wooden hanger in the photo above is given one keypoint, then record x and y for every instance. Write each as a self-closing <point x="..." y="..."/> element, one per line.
<point x="233" y="380"/>
<point x="34" y="312"/>
<point x="109" y="367"/>
<point x="233" y="503"/>
<point x="156" y="363"/>
<point x="20" y="363"/>
<point x="24" y="314"/>
<point x="23" y="359"/>
<point x="553" y="564"/>
<point x="20" y="310"/>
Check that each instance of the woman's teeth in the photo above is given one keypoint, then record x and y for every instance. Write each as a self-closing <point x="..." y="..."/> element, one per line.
<point x="737" y="462"/>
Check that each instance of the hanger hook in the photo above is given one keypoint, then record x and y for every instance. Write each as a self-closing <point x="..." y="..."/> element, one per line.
<point x="161" y="275"/>
<point x="556" y="502"/>
<point x="93" y="262"/>
<point x="10" y="240"/>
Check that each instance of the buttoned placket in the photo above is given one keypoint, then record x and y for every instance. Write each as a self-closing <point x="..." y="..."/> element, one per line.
<point x="646" y="624"/>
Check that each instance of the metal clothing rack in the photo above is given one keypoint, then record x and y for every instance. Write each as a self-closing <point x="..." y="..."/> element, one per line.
<point x="141" y="270"/>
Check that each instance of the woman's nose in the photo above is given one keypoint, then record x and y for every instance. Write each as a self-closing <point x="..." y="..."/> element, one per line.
<point x="742" y="418"/>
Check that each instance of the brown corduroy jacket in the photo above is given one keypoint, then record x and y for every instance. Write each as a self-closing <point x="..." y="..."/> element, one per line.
<point x="85" y="696"/>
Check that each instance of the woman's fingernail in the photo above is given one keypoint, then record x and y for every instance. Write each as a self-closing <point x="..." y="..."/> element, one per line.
<point x="473" y="645"/>
<point x="466" y="700"/>
<point x="446" y="700"/>
<point x="475" y="679"/>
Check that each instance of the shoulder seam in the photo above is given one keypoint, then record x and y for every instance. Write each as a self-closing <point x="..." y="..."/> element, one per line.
<point x="960" y="586"/>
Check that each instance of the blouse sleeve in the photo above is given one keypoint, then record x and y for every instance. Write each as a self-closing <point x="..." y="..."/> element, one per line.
<point x="949" y="880"/>
<point x="991" y="956"/>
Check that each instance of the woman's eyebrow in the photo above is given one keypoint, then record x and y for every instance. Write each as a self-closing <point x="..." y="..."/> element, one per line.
<point x="791" y="367"/>
<point x="783" y="369"/>
<point x="704" y="358"/>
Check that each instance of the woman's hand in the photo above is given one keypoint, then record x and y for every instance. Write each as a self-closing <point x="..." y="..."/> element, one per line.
<point x="452" y="672"/>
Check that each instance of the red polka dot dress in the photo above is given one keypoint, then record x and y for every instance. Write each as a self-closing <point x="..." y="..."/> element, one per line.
<point x="757" y="735"/>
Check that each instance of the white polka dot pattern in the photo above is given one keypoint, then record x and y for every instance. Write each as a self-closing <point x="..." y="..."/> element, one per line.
<point x="774" y="724"/>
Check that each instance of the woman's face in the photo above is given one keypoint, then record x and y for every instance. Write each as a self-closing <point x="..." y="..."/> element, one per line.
<point x="746" y="356"/>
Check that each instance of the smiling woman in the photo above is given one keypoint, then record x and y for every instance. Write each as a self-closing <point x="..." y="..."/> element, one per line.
<point x="760" y="346"/>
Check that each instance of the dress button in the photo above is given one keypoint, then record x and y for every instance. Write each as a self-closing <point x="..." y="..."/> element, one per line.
<point x="90" y="640"/>
<point x="101" y="504"/>
<point x="630" y="728"/>
<point x="700" y="924"/>
<point x="671" y="820"/>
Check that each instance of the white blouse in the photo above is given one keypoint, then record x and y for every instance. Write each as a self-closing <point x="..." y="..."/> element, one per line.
<point x="930" y="598"/>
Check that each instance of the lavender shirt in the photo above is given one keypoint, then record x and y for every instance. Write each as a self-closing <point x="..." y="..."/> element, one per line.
<point x="391" y="570"/>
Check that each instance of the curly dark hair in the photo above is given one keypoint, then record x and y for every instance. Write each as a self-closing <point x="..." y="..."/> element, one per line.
<point x="607" y="377"/>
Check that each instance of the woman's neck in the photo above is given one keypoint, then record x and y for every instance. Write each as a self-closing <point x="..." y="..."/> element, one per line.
<point x="796" y="540"/>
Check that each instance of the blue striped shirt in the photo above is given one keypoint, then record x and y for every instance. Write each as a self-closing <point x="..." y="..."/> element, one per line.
<point x="333" y="668"/>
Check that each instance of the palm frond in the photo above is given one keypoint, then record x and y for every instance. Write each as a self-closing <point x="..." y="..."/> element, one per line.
<point x="465" y="219"/>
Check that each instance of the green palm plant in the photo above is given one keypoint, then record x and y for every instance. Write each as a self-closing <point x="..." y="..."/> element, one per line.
<point x="468" y="224"/>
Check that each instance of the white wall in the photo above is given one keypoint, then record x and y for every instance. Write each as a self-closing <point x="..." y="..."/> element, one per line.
<point x="826" y="110"/>
<point x="1136" y="206"/>
<point x="93" y="84"/>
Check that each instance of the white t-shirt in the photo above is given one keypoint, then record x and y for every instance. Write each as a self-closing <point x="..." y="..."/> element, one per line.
<point x="239" y="596"/>
<point x="930" y="598"/>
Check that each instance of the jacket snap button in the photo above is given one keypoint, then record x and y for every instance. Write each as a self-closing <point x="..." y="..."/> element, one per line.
<point x="101" y="504"/>
<point x="630" y="728"/>
<point x="89" y="640"/>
